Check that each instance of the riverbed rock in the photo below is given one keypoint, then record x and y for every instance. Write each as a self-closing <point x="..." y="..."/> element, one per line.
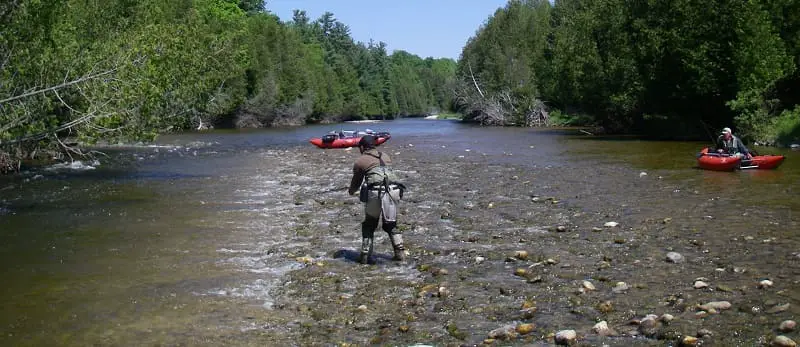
<point x="787" y="326"/>
<point x="605" y="307"/>
<point x="602" y="329"/>
<point x="783" y="341"/>
<point x="443" y="292"/>
<point x="507" y="332"/>
<point x="715" y="306"/>
<point x="779" y="308"/>
<point x="704" y="333"/>
<point x="527" y="313"/>
<point x="521" y="255"/>
<point x="700" y="285"/>
<point x="689" y="341"/>
<point x="305" y="260"/>
<point x="649" y="326"/>
<point x="675" y="257"/>
<point x="610" y="224"/>
<point x="479" y="259"/>
<point x="525" y="328"/>
<point x="764" y="284"/>
<point x="620" y="287"/>
<point x="566" y="337"/>
<point x="588" y="286"/>
<point x="667" y="318"/>
<point x="520" y="272"/>
<point x="561" y="228"/>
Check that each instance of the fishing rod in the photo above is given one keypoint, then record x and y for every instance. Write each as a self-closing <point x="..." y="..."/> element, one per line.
<point x="705" y="127"/>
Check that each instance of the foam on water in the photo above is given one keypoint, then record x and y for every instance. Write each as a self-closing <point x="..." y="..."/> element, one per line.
<point x="76" y="165"/>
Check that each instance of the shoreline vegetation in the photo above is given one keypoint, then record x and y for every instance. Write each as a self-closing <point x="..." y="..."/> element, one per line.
<point x="74" y="73"/>
<point x="638" y="67"/>
<point x="126" y="71"/>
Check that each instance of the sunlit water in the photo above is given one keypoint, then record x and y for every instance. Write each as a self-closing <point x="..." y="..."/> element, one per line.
<point x="163" y="240"/>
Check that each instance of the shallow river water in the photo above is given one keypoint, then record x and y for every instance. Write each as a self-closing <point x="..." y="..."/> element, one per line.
<point x="249" y="238"/>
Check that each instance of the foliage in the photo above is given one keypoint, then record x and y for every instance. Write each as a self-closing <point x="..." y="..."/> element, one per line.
<point x="690" y="63"/>
<point x="125" y="70"/>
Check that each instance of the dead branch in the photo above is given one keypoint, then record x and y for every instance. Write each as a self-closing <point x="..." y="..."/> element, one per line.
<point x="62" y="85"/>
<point x="44" y="134"/>
<point x="474" y="81"/>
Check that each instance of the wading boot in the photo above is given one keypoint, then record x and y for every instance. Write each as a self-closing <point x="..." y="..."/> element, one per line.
<point x="366" y="250"/>
<point x="399" y="249"/>
<point x="363" y="258"/>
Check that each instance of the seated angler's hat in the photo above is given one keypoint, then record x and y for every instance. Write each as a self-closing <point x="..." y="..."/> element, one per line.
<point x="367" y="141"/>
<point x="726" y="131"/>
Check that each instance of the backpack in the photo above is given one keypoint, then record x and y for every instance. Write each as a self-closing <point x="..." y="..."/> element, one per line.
<point x="383" y="176"/>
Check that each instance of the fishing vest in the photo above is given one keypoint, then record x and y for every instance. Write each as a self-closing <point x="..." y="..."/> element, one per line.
<point x="381" y="175"/>
<point x="730" y="146"/>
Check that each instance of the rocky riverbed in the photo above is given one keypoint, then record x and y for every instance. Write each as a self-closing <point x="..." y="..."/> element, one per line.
<point x="515" y="255"/>
<point x="534" y="243"/>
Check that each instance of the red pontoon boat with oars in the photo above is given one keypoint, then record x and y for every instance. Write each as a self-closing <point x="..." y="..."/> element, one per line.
<point x="345" y="139"/>
<point x="725" y="162"/>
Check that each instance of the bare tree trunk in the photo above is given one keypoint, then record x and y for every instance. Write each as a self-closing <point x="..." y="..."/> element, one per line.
<point x="474" y="81"/>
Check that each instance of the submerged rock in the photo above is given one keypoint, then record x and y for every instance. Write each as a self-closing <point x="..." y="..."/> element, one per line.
<point x="507" y="332"/>
<point x="704" y="333"/>
<point x="779" y="308"/>
<point x="620" y="287"/>
<point x="525" y="328"/>
<point x="675" y="257"/>
<point x="787" y="326"/>
<point x="716" y="306"/>
<point x="689" y="341"/>
<point x="649" y="326"/>
<point x="605" y="307"/>
<point x="602" y="329"/>
<point x="763" y="284"/>
<point x="566" y="337"/>
<point x="783" y="341"/>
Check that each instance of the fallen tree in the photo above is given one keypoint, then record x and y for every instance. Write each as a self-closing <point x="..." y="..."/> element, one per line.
<point x="25" y="134"/>
<point x="500" y="108"/>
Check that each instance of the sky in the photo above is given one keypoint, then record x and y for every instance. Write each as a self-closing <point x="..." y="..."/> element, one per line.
<point x="427" y="28"/>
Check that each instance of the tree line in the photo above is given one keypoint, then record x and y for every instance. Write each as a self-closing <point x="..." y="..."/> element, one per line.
<point x="661" y="67"/>
<point x="78" y="72"/>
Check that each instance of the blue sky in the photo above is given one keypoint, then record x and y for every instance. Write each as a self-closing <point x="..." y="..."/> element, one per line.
<point x="428" y="28"/>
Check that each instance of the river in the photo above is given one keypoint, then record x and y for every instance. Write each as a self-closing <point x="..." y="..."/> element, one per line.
<point x="245" y="237"/>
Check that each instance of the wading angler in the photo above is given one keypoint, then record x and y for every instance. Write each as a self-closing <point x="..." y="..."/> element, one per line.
<point x="380" y="192"/>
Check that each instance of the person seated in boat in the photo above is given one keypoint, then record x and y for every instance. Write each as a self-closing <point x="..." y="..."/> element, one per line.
<point x="729" y="144"/>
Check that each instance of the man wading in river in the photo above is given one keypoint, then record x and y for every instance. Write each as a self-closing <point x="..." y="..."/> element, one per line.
<point x="380" y="193"/>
